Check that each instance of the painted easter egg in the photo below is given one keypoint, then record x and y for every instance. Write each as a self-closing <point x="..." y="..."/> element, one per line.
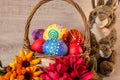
<point x="37" y="45"/>
<point x="75" y="49"/>
<point x="55" y="31"/>
<point x="78" y="41"/>
<point x="37" y="34"/>
<point x="75" y="35"/>
<point x="55" y="47"/>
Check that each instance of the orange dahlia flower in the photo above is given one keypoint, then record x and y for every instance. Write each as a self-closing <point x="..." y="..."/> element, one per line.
<point x="23" y="67"/>
<point x="25" y="60"/>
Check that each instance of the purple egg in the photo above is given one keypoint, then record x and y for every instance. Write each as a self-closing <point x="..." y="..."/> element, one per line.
<point x="37" y="34"/>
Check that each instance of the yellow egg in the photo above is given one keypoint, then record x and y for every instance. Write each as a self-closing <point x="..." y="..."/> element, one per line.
<point x="54" y="31"/>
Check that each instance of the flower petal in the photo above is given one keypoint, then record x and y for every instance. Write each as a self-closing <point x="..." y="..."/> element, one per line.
<point x="80" y="60"/>
<point x="64" y="68"/>
<point x="54" y="75"/>
<point x="37" y="73"/>
<point x="35" y="61"/>
<point x="22" y="54"/>
<point x="7" y="75"/>
<point x="12" y="77"/>
<point x="82" y="72"/>
<point x="73" y="60"/>
<point x="11" y="64"/>
<point x="66" y="60"/>
<point x="59" y="66"/>
<point x="36" y="78"/>
<point x="66" y="76"/>
<point x="86" y="76"/>
<point x="29" y="56"/>
<point x="51" y="67"/>
<point x="45" y="77"/>
<point x="74" y="74"/>
<point x="20" y="77"/>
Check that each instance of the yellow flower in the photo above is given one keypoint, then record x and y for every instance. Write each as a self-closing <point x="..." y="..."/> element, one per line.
<point x="29" y="73"/>
<point x="6" y="76"/>
<point x="26" y="59"/>
<point x="23" y="68"/>
<point x="32" y="73"/>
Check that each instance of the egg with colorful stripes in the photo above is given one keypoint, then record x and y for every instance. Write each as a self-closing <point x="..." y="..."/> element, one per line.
<point x="55" y="31"/>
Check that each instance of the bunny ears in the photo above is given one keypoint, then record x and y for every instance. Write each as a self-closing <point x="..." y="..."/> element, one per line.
<point x="111" y="3"/>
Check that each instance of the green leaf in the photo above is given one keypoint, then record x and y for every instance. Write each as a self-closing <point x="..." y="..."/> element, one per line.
<point x="2" y="70"/>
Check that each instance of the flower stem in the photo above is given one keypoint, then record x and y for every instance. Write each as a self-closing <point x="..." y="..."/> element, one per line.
<point x="2" y="69"/>
<point x="0" y="63"/>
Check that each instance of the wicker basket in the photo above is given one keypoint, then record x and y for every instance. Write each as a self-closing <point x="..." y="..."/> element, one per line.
<point x="74" y="4"/>
<point x="46" y="59"/>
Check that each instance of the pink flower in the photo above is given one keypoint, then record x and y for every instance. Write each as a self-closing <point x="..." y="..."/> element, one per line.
<point x="67" y="68"/>
<point x="87" y="76"/>
<point x="66" y="76"/>
<point x="54" y="75"/>
<point x="74" y="74"/>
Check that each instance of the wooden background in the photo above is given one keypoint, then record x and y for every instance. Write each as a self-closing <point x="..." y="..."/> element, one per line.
<point x="13" y="15"/>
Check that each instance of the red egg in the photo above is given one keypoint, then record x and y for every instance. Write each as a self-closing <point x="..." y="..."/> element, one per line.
<point x="78" y="41"/>
<point x="75" y="35"/>
<point x="75" y="49"/>
<point x="37" y="45"/>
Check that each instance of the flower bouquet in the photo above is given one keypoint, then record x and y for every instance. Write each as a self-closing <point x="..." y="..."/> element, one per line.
<point x="25" y="67"/>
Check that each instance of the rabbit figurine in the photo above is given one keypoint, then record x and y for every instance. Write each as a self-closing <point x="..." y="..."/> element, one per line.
<point x="103" y="34"/>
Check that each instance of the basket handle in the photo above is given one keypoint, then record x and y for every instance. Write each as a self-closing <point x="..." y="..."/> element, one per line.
<point x="74" y="4"/>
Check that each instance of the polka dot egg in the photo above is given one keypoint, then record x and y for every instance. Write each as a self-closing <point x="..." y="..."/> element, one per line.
<point x="55" y="47"/>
